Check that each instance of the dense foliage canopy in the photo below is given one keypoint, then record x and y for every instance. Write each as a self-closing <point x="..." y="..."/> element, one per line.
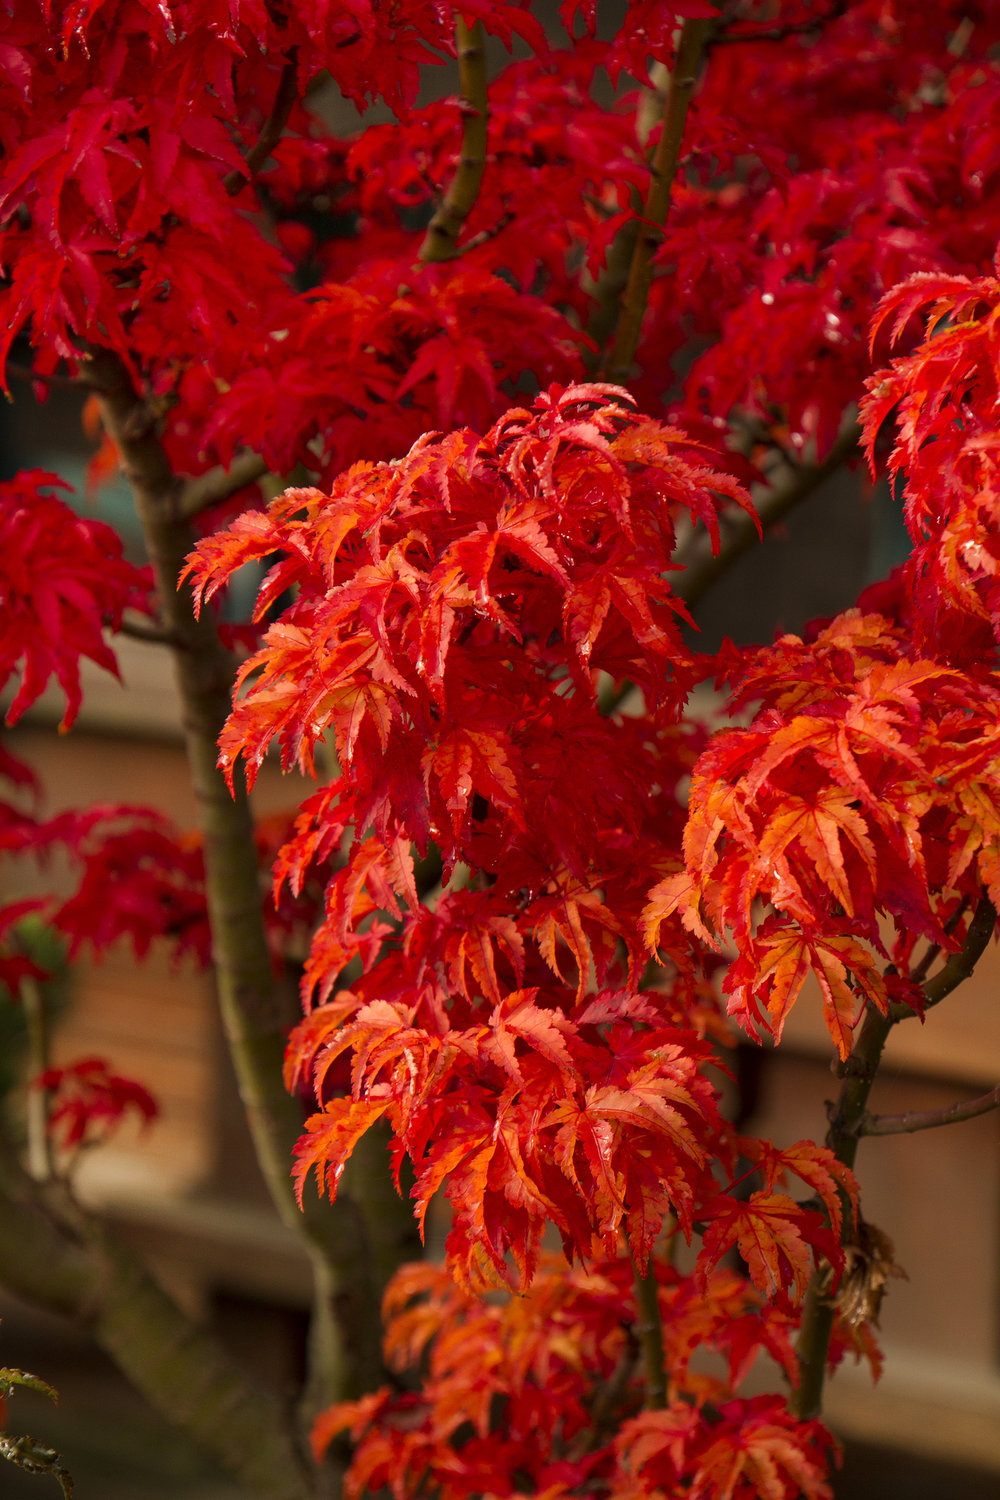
<point x="532" y="365"/>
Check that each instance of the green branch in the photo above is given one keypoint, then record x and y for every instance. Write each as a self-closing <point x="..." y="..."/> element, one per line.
<point x="37" y="1108"/>
<point x="677" y="97"/>
<point x="613" y="278"/>
<point x="816" y="1327"/>
<point x="256" y="1012"/>
<point x="441" y="240"/>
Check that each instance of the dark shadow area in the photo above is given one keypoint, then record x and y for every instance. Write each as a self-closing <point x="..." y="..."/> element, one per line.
<point x="870" y="1473"/>
<point x="814" y="565"/>
<point x="113" y="1443"/>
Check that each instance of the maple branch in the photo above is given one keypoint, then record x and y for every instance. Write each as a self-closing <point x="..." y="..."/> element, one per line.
<point x="218" y="484"/>
<point x="613" y="278"/>
<point x="779" y="33"/>
<point x="605" y="1409"/>
<point x="921" y="970"/>
<point x="703" y="569"/>
<point x="929" y="1119"/>
<point x="37" y="1110"/>
<point x="139" y="630"/>
<point x="959" y="966"/>
<point x="24" y="372"/>
<point x="255" y="1012"/>
<point x="272" y="129"/>
<point x="663" y="170"/>
<point x="816" y="1328"/>
<point x="649" y="1330"/>
<point x="847" y="1119"/>
<point x="441" y="240"/>
<point x="58" y="1258"/>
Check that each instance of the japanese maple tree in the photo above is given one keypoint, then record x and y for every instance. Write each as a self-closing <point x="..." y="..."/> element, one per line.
<point x="527" y="368"/>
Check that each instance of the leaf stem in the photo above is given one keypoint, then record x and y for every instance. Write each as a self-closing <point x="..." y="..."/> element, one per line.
<point x="441" y="240"/>
<point x="921" y="970"/>
<point x="663" y="169"/>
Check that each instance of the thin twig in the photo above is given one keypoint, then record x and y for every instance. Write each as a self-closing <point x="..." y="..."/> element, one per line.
<point x="157" y="635"/>
<point x="218" y="484"/>
<point x="929" y="1119"/>
<point x="441" y="240"/>
<point x="923" y="968"/>
<point x="433" y="188"/>
<point x="663" y="170"/>
<point x="74" y="382"/>
<point x="485" y="235"/>
<point x="272" y="129"/>
<point x="815" y="24"/>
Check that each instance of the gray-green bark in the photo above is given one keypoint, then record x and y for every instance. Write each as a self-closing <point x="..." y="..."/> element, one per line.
<point x="255" y="1011"/>
<point x="663" y="168"/>
<point x="58" y="1258"/>
<point x="441" y="240"/>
